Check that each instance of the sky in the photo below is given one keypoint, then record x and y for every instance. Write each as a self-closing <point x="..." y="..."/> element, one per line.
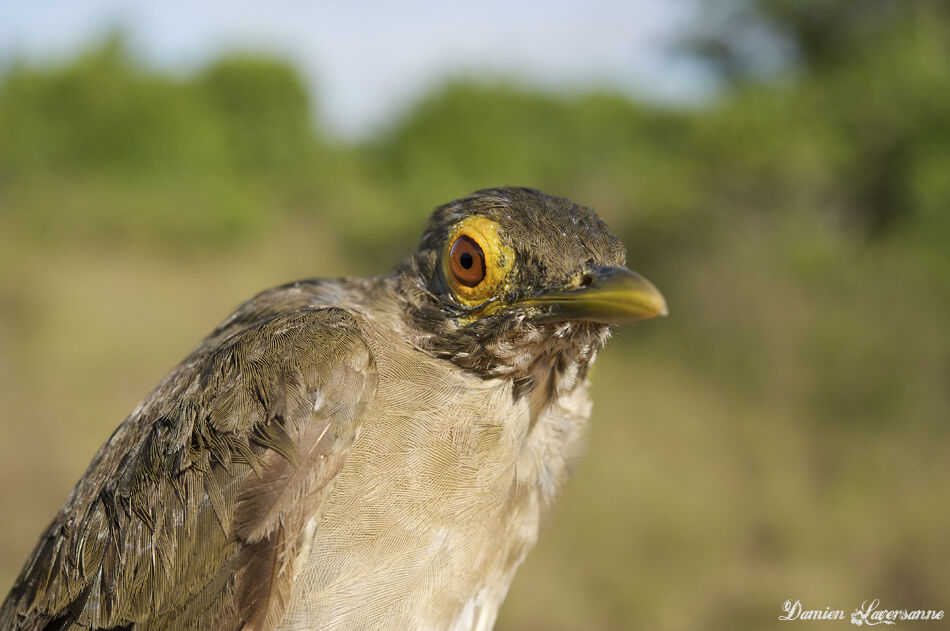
<point x="366" y="61"/>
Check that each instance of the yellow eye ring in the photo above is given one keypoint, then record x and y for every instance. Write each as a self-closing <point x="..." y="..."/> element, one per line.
<point x="475" y="262"/>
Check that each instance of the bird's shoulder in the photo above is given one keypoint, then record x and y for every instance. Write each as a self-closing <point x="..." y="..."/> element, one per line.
<point x="345" y="294"/>
<point x="189" y="515"/>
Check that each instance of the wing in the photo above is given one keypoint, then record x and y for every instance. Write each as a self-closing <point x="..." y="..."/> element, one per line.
<point x="191" y="515"/>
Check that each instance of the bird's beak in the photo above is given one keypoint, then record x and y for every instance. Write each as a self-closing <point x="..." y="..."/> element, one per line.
<point x="609" y="295"/>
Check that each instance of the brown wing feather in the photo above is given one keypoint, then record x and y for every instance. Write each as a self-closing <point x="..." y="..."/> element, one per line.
<point x="189" y="515"/>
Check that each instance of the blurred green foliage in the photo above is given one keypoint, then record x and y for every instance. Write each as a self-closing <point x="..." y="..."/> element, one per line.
<point x="782" y="435"/>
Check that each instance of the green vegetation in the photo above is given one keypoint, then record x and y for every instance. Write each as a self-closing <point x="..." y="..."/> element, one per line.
<point x="782" y="435"/>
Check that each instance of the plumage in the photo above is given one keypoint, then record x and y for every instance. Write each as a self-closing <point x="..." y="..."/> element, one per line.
<point x="355" y="453"/>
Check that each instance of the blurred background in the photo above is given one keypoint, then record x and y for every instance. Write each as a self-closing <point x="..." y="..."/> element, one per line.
<point x="779" y="168"/>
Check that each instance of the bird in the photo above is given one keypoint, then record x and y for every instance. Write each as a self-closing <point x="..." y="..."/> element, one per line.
<point x="352" y="453"/>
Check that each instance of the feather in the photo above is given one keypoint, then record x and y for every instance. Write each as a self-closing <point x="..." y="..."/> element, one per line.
<point x="264" y="579"/>
<point x="285" y="486"/>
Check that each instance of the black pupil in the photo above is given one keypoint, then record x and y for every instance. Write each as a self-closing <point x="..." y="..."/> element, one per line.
<point x="466" y="260"/>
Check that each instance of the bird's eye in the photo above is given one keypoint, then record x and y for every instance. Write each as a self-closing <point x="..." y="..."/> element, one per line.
<point x="467" y="261"/>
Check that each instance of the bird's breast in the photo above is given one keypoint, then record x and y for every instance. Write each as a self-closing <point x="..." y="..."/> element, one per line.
<point x="437" y="503"/>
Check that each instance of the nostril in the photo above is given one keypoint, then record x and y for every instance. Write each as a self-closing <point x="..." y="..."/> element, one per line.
<point x="586" y="280"/>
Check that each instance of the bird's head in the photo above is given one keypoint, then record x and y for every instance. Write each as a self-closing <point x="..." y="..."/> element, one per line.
<point x="508" y="277"/>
